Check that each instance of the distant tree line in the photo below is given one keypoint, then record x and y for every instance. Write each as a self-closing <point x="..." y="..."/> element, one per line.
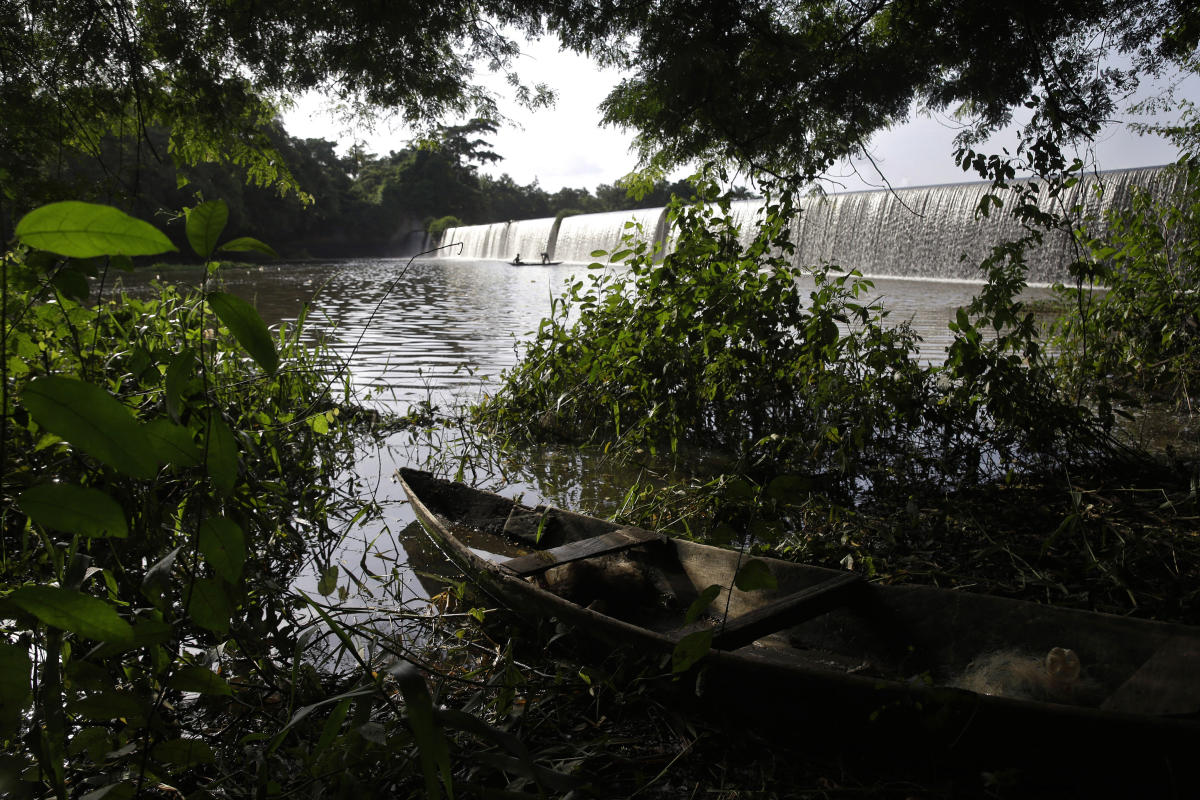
<point x="352" y="204"/>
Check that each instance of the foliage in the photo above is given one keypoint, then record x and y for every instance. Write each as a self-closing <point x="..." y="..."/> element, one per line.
<point x="156" y="488"/>
<point x="716" y="346"/>
<point x="1138" y="337"/>
<point x="794" y="86"/>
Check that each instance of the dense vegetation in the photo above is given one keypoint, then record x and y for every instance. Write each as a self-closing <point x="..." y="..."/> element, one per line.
<point x="168" y="463"/>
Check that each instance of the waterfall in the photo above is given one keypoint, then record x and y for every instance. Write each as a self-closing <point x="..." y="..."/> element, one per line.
<point x="933" y="232"/>
<point x="926" y="232"/>
<point x="580" y="235"/>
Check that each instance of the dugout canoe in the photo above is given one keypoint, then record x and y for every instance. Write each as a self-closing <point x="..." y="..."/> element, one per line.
<point x="938" y="667"/>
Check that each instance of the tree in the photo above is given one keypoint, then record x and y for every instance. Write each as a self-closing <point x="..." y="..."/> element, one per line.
<point x="794" y="86"/>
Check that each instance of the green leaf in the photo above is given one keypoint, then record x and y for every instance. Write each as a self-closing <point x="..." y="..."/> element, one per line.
<point x="200" y="680"/>
<point x="183" y="753"/>
<point x="244" y="244"/>
<point x="85" y="230"/>
<point x="74" y="509"/>
<point x="180" y="373"/>
<point x="205" y="223"/>
<point x="328" y="582"/>
<point x="122" y="790"/>
<point x="172" y="444"/>
<point x="224" y="547"/>
<point x="158" y="577"/>
<point x="789" y="489"/>
<point x="16" y="694"/>
<point x="431" y="742"/>
<point x="103" y="706"/>
<point x="701" y="603"/>
<point x="73" y="611"/>
<point x="222" y="456"/>
<point x="247" y="327"/>
<point x="690" y="649"/>
<point x="72" y="284"/>
<point x="210" y="605"/>
<point x="755" y="574"/>
<point x="93" y="421"/>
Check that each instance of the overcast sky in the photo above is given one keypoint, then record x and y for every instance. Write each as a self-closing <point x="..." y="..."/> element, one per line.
<point x="566" y="145"/>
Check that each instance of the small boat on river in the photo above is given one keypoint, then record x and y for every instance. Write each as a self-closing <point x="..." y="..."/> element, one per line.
<point x="517" y="263"/>
<point x="824" y="648"/>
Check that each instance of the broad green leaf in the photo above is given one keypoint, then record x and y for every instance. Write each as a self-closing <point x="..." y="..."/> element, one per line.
<point x="205" y="223"/>
<point x="329" y="579"/>
<point x="95" y="741"/>
<point x="222" y="456"/>
<point x="92" y="420"/>
<point x="74" y="509"/>
<point x="200" y="680"/>
<point x="701" y="603"/>
<point x="85" y="230"/>
<point x="103" y="706"/>
<point x="180" y="372"/>
<point x="210" y="605"/>
<point x="16" y="693"/>
<point x="73" y="611"/>
<point x="72" y="284"/>
<point x="247" y="327"/>
<point x="183" y="752"/>
<point x="244" y="244"/>
<point x="431" y="742"/>
<point x="755" y="574"/>
<point x="690" y="649"/>
<point x="158" y="577"/>
<point x="224" y="547"/>
<point x="173" y="443"/>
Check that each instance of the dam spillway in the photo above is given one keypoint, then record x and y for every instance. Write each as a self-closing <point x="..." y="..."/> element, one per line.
<point x="928" y="232"/>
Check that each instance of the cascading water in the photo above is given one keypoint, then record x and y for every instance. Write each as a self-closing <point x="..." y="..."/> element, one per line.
<point x="579" y="236"/>
<point x="928" y="232"/>
<point x="478" y="241"/>
<point x="530" y="238"/>
<point x="933" y="232"/>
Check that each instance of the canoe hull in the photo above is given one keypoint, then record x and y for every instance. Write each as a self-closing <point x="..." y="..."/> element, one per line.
<point x="884" y="664"/>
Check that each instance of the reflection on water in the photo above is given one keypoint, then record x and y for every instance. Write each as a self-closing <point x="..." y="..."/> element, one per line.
<point x="433" y="331"/>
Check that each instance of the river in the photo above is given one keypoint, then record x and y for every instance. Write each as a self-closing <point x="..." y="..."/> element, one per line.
<point x="440" y="331"/>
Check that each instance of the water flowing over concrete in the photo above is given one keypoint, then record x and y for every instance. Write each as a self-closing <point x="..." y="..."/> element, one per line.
<point x="928" y="232"/>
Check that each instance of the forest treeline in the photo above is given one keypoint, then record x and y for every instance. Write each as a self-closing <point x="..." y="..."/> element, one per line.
<point x="352" y="204"/>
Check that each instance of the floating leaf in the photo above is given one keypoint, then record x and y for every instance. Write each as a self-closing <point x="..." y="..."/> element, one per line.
<point x="328" y="582"/>
<point x="200" y="680"/>
<point x="73" y="611"/>
<point x="690" y="649"/>
<point x="247" y="327"/>
<point x="92" y="420"/>
<point x="755" y="574"/>
<point x="74" y="509"/>
<point x="210" y="606"/>
<point x="85" y="230"/>
<point x="224" y="547"/>
<point x="205" y="223"/>
<point x="701" y="603"/>
<point x="222" y="457"/>
<point x="245" y="244"/>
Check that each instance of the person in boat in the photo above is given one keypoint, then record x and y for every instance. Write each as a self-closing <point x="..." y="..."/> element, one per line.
<point x="545" y="258"/>
<point x="516" y="259"/>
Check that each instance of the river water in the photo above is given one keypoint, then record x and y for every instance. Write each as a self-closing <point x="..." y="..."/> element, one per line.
<point x="441" y="331"/>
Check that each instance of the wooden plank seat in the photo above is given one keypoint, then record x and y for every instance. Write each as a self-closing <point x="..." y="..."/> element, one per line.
<point x="783" y="612"/>
<point x="1165" y="684"/>
<point x="613" y="542"/>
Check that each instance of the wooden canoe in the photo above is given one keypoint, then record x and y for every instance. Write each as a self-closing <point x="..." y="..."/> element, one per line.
<point x="825" y="644"/>
<point x="535" y="263"/>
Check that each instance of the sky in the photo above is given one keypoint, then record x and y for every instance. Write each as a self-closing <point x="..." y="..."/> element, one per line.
<point x="567" y="145"/>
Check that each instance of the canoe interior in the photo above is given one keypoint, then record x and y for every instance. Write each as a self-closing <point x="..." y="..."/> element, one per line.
<point x="893" y="633"/>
